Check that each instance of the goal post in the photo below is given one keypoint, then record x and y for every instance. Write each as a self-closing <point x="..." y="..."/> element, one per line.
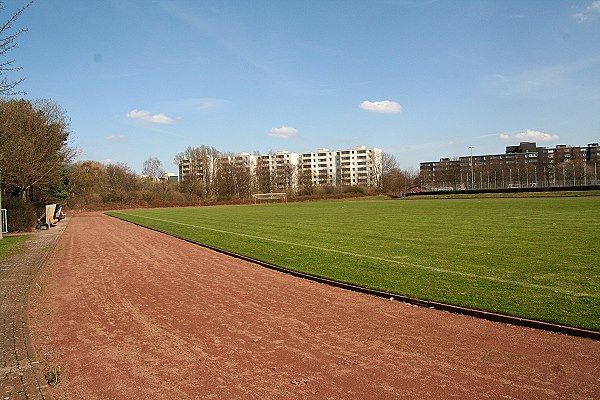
<point x="270" y="196"/>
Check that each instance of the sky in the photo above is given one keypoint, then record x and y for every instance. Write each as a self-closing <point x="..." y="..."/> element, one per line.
<point x="420" y="79"/>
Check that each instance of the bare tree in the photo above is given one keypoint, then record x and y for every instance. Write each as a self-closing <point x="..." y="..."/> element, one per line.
<point x="8" y="42"/>
<point x="264" y="174"/>
<point x="121" y="179"/>
<point x="203" y="169"/>
<point x="385" y="165"/>
<point x="153" y="168"/>
<point x="88" y="180"/>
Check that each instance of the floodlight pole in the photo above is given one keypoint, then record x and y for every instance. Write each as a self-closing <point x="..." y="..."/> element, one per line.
<point x="472" y="181"/>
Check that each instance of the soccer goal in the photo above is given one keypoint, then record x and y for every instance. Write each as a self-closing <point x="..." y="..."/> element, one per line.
<point x="270" y="196"/>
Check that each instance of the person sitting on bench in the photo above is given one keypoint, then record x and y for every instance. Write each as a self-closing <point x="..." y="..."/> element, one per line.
<point x="41" y="222"/>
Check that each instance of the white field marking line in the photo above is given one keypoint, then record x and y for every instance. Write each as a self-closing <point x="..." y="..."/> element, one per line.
<point x="446" y="271"/>
<point x="570" y="217"/>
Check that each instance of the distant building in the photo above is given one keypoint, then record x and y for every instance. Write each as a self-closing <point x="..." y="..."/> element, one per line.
<point x="319" y="168"/>
<point x="350" y="167"/>
<point x="285" y="170"/>
<point x="169" y="176"/>
<point x="360" y="166"/>
<point x="277" y="172"/>
<point x="524" y="165"/>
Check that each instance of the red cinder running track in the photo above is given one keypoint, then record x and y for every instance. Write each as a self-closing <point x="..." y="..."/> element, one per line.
<point x="130" y="313"/>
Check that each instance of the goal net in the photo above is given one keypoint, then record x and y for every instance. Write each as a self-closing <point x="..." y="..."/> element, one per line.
<point x="270" y="196"/>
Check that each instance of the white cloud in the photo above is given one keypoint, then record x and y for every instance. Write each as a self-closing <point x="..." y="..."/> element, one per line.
<point x="283" y="132"/>
<point x="530" y="135"/>
<point x="116" y="138"/>
<point x="385" y="106"/>
<point x="145" y="116"/>
<point x="590" y="12"/>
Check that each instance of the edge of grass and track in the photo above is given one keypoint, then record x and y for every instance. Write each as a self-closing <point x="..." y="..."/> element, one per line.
<point x="487" y="315"/>
<point x="11" y="244"/>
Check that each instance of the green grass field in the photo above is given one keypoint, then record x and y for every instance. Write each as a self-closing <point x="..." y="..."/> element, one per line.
<point x="536" y="258"/>
<point x="11" y="244"/>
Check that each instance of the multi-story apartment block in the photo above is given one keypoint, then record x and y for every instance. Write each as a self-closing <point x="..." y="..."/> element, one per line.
<point x="319" y="168"/>
<point x="277" y="171"/>
<point x="199" y="167"/>
<point x="360" y="166"/>
<point x="522" y="165"/>
<point x="244" y="163"/>
<point x="285" y="170"/>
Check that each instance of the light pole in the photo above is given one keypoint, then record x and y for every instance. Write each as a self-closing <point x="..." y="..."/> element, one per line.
<point x="472" y="180"/>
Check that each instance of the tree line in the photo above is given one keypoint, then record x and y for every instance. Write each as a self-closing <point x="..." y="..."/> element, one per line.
<point x="33" y="155"/>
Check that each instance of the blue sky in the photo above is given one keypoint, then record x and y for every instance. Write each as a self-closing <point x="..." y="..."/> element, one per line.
<point x="419" y="79"/>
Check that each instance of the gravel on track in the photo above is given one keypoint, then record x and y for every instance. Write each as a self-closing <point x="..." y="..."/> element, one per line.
<point x="127" y="312"/>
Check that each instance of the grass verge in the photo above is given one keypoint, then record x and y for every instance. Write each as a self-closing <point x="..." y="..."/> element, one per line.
<point x="11" y="244"/>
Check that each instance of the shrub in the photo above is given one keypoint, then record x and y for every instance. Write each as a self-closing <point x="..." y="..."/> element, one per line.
<point x="20" y="214"/>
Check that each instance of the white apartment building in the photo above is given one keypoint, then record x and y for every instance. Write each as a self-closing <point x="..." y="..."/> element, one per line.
<point x="245" y="161"/>
<point x="277" y="171"/>
<point x="319" y="168"/>
<point x="285" y="170"/>
<point x="360" y="166"/>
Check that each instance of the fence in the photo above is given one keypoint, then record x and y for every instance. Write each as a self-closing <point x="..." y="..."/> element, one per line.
<point x="564" y="175"/>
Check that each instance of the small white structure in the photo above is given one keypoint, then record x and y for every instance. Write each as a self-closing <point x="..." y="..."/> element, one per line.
<point x="270" y="196"/>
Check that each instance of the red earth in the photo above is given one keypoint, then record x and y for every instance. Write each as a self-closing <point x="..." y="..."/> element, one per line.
<point x="127" y="313"/>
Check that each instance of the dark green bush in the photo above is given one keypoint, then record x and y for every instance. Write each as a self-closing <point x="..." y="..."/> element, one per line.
<point x="20" y="214"/>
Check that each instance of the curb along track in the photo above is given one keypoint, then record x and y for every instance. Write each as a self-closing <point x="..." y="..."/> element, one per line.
<point x="487" y="315"/>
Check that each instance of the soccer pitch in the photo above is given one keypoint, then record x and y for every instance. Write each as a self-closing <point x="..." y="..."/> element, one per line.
<point x="536" y="258"/>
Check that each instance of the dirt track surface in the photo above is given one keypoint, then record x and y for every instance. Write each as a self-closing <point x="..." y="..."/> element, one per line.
<point x="130" y="313"/>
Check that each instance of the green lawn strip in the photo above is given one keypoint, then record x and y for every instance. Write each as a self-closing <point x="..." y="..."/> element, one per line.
<point x="11" y="244"/>
<point x="534" y="258"/>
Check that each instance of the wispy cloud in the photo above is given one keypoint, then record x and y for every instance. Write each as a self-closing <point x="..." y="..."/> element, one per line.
<point x="220" y="31"/>
<point x="592" y="11"/>
<point x="547" y="81"/>
<point x="283" y="132"/>
<point x="529" y="135"/>
<point x="160" y="119"/>
<point x="385" y="106"/>
<point x="115" y="138"/>
<point x="202" y="104"/>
